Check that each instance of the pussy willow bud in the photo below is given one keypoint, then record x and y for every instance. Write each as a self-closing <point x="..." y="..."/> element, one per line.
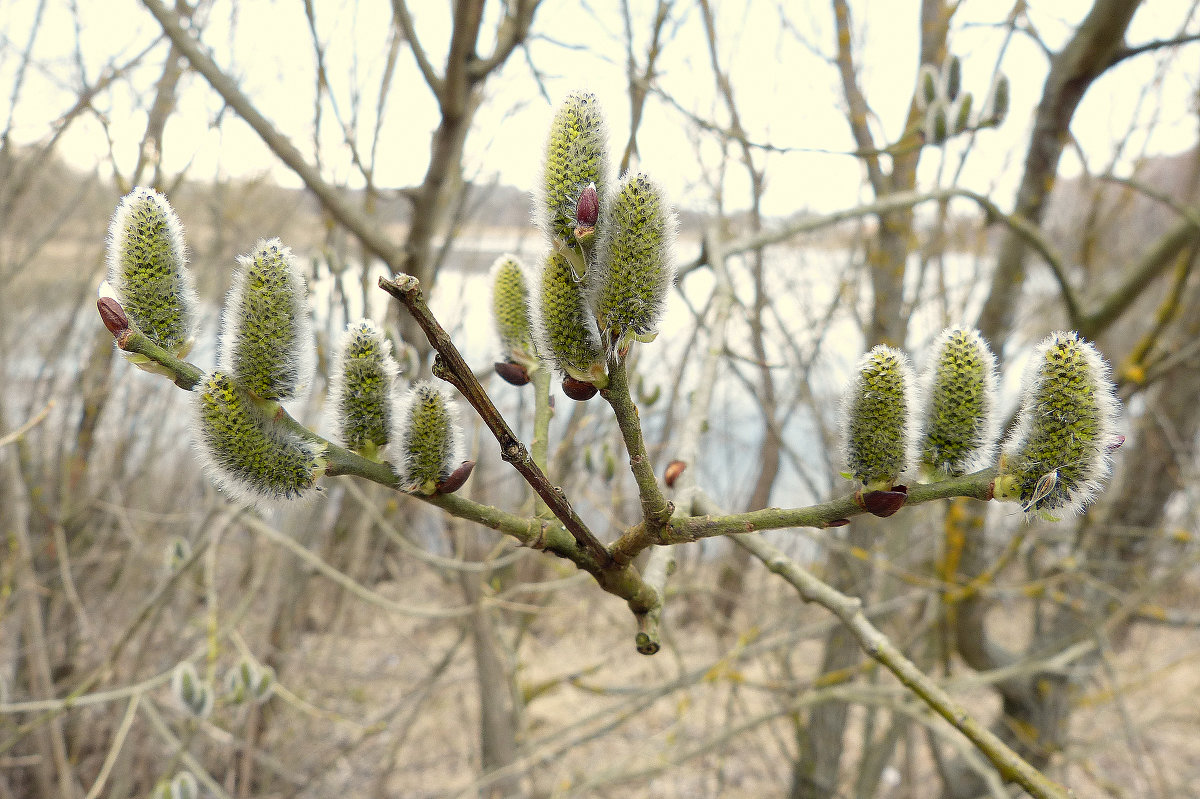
<point x="937" y="124"/>
<point x="248" y="681"/>
<point x="587" y="207"/>
<point x="952" y="78"/>
<point x="576" y="155"/>
<point x="637" y="260"/>
<point x="192" y="694"/>
<point x="996" y="107"/>
<point x="1059" y="456"/>
<point x="266" y="340"/>
<point x="360" y="390"/>
<point x="927" y="86"/>
<point x="246" y="453"/>
<point x="147" y="273"/>
<point x="962" y="113"/>
<point x="427" y="441"/>
<point x="564" y="327"/>
<point x="510" y="307"/>
<point x="879" y="422"/>
<point x="961" y="416"/>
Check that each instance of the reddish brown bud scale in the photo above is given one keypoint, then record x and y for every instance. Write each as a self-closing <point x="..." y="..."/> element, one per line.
<point x="883" y="503"/>
<point x="838" y="523"/>
<point x="513" y="373"/>
<point x="113" y="315"/>
<point x="578" y="390"/>
<point x="587" y="207"/>
<point x="1116" y="442"/>
<point x="456" y="478"/>
<point x="674" y="469"/>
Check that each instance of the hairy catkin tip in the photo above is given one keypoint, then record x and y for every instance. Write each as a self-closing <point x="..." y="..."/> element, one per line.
<point x="360" y="391"/>
<point x="879" y="420"/>
<point x="510" y="309"/>
<point x="576" y="156"/>
<point x="245" y="452"/>
<point x="147" y="270"/>
<point x="266" y="340"/>
<point x="1059" y="456"/>
<point x="427" y="442"/>
<point x="563" y="323"/>
<point x="637" y="259"/>
<point x="961" y="418"/>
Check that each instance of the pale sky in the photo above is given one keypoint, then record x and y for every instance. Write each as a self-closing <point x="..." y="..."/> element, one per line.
<point x="787" y="92"/>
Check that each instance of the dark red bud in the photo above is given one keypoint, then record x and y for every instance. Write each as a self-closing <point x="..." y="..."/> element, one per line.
<point x="884" y="503"/>
<point x="838" y="523"/>
<point x="113" y="315"/>
<point x="674" y="469"/>
<point x="1116" y="442"/>
<point x="513" y="373"/>
<point x="587" y="208"/>
<point x="456" y="478"/>
<point x="578" y="390"/>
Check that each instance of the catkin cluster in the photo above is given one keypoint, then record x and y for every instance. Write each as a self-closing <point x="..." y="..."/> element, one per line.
<point x="947" y="424"/>
<point x="251" y="449"/>
<point x="947" y="108"/>
<point x="609" y="264"/>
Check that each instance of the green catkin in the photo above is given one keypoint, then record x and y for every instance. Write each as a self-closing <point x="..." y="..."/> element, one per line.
<point x="245" y="452"/>
<point x="361" y="388"/>
<point x="961" y="419"/>
<point x="190" y="692"/>
<point x="510" y="309"/>
<point x="1057" y="458"/>
<point x="878" y="419"/>
<point x="267" y="342"/>
<point x="563" y="323"/>
<point x="147" y="272"/>
<point x="427" y="442"/>
<point x="927" y="86"/>
<point x="998" y="100"/>
<point x="576" y="155"/>
<point x="637" y="260"/>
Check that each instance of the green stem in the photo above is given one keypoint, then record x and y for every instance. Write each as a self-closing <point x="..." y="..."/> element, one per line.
<point x="656" y="509"/>
<point x="540" y="446"/>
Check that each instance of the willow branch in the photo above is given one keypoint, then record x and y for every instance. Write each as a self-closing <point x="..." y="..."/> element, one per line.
<point x="849" y="610"/>
<point x="451" y="367"/>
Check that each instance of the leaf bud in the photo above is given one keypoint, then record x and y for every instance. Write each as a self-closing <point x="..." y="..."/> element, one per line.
<point x="1059" y="455"/>
<point x="360" y="388"/>
<point x="147" y="270"/>
<point x="245" y="452"/>
<point x="578" y="390"/>
<point x="961" y="414"/>
<point x="267" y="340"/>
<point x="673" y="471"/>
<point x="457" y="478"/>
<point x="513" y="373"/>
<point x="636" y="260"/>
<point x="427" y="442"/>
<point x="878" y="418"/>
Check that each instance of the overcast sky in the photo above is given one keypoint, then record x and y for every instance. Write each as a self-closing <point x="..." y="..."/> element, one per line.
<point x="786" y="89"/>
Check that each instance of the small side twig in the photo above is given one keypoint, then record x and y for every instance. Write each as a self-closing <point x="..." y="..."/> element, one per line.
<point x="451" y="367"/>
